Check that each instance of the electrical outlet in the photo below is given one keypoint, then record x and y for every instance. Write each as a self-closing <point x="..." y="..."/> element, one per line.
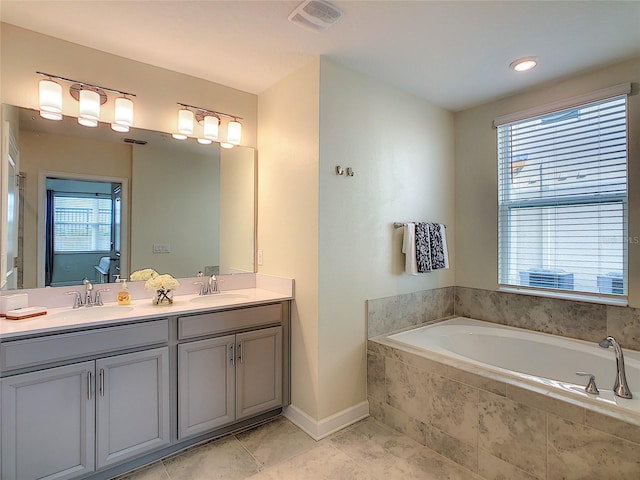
<point x="260" y="257"/>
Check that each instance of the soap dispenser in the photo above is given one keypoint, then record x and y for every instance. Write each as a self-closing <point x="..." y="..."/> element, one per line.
<point x="124" y="297"/>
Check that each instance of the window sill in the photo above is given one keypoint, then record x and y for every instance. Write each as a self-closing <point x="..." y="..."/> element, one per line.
<point x="621" y="301"/>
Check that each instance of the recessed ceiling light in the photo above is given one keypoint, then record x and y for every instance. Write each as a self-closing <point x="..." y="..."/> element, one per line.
<point x="524" y="64"/>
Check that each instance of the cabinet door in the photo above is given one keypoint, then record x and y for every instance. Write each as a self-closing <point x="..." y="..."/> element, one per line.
<point x="48" y="423"/>
<point x="258" y="371"/>
<point x="206" y="385"/>
<point x="132" y="405"/>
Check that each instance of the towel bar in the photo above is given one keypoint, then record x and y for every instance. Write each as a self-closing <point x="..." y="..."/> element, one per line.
<point x="399" y="225"/>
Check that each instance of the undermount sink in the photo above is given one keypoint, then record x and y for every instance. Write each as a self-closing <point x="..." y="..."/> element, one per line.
<point x="218" y="298"/>
<point x="91" y="313"/>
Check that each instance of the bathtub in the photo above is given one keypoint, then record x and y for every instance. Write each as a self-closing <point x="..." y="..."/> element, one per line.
<point x="543" y="361"/>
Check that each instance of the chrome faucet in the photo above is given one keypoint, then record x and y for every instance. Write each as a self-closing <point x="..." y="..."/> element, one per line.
<point x="87" y="300"/>
<point x="210" y="288"/>
<point x="620" y="387"/>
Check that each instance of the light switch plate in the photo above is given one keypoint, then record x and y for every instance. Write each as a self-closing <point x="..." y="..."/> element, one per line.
<point x="161" y="248"/>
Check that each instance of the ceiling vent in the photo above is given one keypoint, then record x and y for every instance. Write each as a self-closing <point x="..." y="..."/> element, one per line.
<point x="316" y="15"/>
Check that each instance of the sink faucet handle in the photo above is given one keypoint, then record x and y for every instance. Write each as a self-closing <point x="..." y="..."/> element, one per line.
<point x="202" y="287"/>
<point x="213" y="284"/>
<point x="98" y="299"/>
<point x="591" y="384"/>
<point x="77" y="302"/>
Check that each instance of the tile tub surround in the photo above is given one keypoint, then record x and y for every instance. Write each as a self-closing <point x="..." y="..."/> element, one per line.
<point x="585" y="321"/>
<point x="568" y="318"/>
<point x="492" y="428"/>
<point x="388" y="314"/>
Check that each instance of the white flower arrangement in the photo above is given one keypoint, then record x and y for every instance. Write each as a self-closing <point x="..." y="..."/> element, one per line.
<point x="162" y="282"/>
<point x="143" y="275"/>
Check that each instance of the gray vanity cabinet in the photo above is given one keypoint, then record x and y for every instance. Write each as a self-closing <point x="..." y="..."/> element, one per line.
<point x="63" y="422"/>
<point x="229" y="377"/>
<point x="48" y="423"/>
<point x="206" y="385"/>
<point x="51" y="418"/>
<point x="132" y="405"/>
<point x="258" y="371"/>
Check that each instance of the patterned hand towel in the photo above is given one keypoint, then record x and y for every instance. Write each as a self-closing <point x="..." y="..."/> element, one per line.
<point x="423" y="247"/>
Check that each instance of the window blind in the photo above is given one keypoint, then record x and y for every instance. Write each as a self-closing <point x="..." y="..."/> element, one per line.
<point x="562" y="200"/>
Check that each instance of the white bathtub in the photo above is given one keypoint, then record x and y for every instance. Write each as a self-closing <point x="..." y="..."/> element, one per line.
<point x="539" y="359"/>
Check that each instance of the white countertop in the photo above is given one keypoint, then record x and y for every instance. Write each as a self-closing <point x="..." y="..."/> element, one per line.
<point x="66" y="318"/>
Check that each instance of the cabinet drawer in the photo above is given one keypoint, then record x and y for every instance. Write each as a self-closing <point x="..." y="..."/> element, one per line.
<point x="55" y="348"/>
<point x="219" y="322"/>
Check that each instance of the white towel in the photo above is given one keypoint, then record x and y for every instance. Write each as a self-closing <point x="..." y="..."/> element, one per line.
<point x="445" y="251"/>
<point x="409" y="249"/>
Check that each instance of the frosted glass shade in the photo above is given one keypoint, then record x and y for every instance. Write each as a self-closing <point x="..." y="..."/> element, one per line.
<point x="89" y="108"/>
<point x="50" y="98"/>
<point x="50" y="115"/>
<point x="124" y="112"/>
<point x="204" y="141"/>
<point x="185" y="121"/>
<point x="234" y="132"/>
<point x="119" y="128"/>
<point x="211" y="125"/>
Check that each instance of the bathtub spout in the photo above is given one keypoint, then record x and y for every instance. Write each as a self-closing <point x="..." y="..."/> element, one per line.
<point x="620" y="388"/>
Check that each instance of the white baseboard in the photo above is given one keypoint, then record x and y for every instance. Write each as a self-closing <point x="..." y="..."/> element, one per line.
<point x="319" y="429"/>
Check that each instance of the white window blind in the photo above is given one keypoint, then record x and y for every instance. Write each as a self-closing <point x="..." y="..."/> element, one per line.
<point x="82" y="223"/>
<point x="562" y="200"/>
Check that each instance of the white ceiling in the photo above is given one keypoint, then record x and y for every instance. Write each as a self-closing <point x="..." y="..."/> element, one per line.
<point x="452" y="53"/>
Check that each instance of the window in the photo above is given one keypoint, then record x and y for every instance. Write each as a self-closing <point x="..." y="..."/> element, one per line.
<point x="562" y="200"/>
<point x="82" y="223"/>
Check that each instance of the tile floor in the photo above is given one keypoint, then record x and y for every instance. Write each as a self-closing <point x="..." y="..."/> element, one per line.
<point x="278" y="450"/>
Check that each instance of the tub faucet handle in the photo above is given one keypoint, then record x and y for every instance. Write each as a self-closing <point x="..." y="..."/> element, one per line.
<point x="591" y="384"/>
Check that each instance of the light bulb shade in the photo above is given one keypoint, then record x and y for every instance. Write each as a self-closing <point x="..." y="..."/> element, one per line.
<point x="50" y="115"/>
<point x="123" y="113"/>
<point x="211" y="124"/>
<point x="50" y="97"/>
<point x="89" y="106"/>
<point x="234" y="132"/>
<point x="185" y="121"/>
<point x="116" y="127"/>
<point x="179" y="136"/>
<point x="204" y="141"/>
<point x="87" y="122"/>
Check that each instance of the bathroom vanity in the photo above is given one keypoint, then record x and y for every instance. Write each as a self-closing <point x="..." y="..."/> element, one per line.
<point x="87" y="394"/>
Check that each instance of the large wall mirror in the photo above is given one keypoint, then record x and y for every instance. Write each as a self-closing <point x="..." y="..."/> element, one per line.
<point x="92" y="203"/>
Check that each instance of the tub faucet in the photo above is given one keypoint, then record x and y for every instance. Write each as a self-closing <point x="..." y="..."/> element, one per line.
<point x="620" y="387"/>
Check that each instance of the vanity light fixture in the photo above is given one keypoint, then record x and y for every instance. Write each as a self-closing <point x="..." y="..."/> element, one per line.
<point x="90" y="97"/>
<point x="211" y="127"/>
<point x="210" y="121"/>
<point x="234" y="132"/>
<point x="185" y="121"/>
<point x="524" y="64"/>
<point x="123" y="115"/>
<point x="50" y="99"/>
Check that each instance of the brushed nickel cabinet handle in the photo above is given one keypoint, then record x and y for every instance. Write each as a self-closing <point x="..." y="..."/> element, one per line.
<point x="102" y="382"/>
<point x="88" y="385"/>
<point x="233" y="357"/>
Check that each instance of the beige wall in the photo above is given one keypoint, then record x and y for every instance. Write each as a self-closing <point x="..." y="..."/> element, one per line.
<point x="175" y="200"/>
<point x="288" y="116"/>
<point x="334" y="234"/>
<point x="57" y="153"/>
<point x="401" y="149"/>
<point x="24" y="51"/>
<point x="476" y="177"/>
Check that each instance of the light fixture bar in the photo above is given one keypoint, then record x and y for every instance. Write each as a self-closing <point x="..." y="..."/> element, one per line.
<point x="85" y="84"/>
<point x="202" y="111"/>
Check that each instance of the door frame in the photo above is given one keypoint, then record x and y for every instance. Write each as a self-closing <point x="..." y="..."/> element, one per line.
<point x="42" y="208"/>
